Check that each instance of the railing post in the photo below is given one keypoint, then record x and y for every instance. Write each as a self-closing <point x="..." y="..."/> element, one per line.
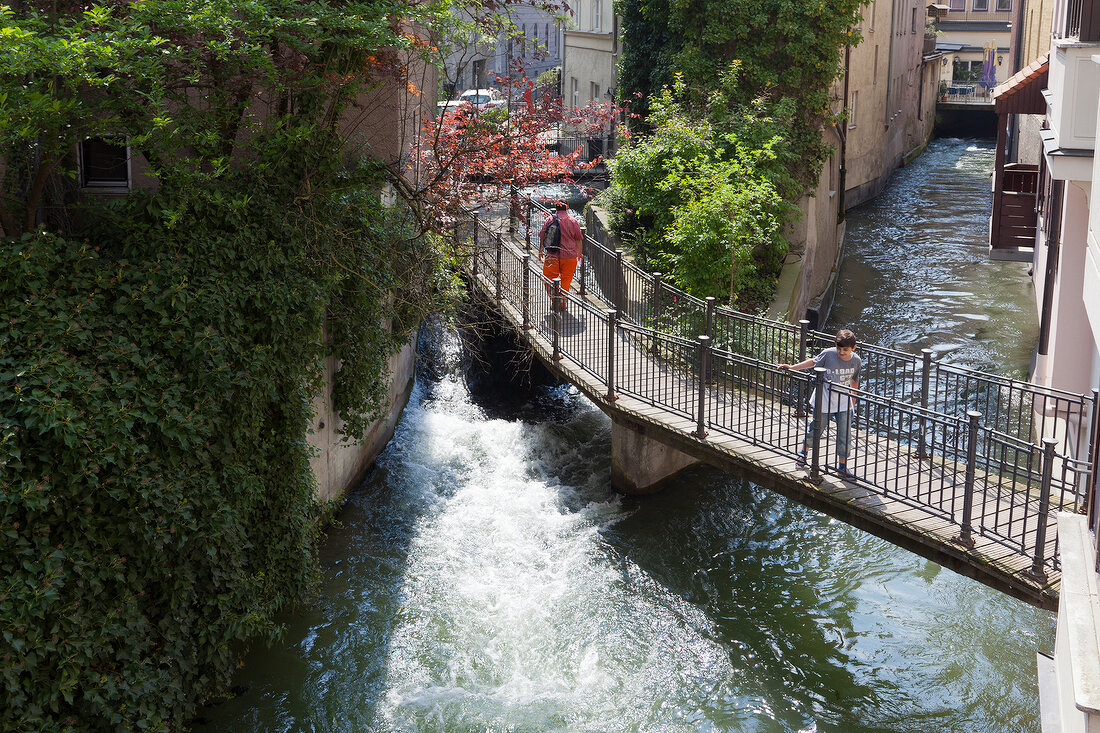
<point x="527" y="235"/>
<point x="512" y="196"/>
<point x="584" y="270"/>
<point x="1037" y="572"/>
<point x="654" y="309"/>
<point x="555" y="315"/>
<point x="925" y="381"/>
<point x="1092" y="497"/>
<point x="819" y="424"/>
<point x="526" y="291"/>
<point x="619" y="282"/>
<point x="500" y="267"/>
<point x="655" y="302"/>
<point x="701" y="386"/>
<point x="800" y="386"/>
<point x="612" y="318"/>
<point x="474" y="247"/>
<point x="709" y="328"/>
<point x="964" y="537"/>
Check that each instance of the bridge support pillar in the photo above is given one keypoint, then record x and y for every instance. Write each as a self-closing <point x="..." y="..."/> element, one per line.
<point x="640" y="463"/>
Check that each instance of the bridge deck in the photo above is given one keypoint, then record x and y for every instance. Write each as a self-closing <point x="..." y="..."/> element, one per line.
<point x="913" y="502"/>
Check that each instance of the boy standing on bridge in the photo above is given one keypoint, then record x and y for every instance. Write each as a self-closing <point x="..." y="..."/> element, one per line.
<point x="841" y="368"/>
<point x="561" y="240"/>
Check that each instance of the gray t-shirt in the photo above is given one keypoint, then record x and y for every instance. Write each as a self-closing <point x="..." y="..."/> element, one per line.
<point x="839" y="372"/>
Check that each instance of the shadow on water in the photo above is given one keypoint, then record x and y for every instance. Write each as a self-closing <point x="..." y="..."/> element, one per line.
<point x="917" y="274"/>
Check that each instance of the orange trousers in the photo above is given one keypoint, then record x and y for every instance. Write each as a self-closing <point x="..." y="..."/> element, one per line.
<point x="553" y="267"/>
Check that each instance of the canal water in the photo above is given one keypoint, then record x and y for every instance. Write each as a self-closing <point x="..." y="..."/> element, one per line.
<point x="486" y="578"/>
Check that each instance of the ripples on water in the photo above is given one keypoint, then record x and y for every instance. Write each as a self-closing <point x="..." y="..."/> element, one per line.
<point x="486" y="578"/>
<point x="917" y="274"/>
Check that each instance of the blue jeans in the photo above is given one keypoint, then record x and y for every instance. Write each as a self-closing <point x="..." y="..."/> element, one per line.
<point x="843" y="432"/>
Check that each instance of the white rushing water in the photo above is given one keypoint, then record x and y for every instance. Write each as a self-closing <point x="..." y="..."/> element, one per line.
<point x="521" y="617"/>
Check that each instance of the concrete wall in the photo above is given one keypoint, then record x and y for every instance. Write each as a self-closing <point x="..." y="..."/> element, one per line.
<point x="816" y="241"/>
<point x="589" y="59"/>
<point x="891" y="100"/>
<point x="1037" y="20"/>
<point x="338" y="465"/>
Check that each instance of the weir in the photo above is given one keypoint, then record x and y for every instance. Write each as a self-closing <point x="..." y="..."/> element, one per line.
<point x="964" y="468"/>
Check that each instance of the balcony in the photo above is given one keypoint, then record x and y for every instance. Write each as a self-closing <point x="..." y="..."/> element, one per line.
<point x="1012" y="227"/>
<point x="1072" y="94"/>
<point x="1081" y="21"/>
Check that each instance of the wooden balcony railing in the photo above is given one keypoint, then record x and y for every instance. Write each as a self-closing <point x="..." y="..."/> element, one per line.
<point x="1014" y="216"/>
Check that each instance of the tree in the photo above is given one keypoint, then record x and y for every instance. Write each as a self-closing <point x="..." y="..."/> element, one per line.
<point x="772" y="60"/>
<point x="702" y="198"/>
<point x="160" y="351"/>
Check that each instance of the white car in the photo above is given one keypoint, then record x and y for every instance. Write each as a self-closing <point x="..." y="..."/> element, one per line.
<point x="483" y="99"/>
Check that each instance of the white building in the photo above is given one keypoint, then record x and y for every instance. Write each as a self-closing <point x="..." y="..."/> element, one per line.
<point x="591" y="53"/>
<point x="528" y="36"/>
<point x="1055" y="200"/>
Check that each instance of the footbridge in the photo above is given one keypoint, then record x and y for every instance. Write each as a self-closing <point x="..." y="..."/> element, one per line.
<point x="965" y="468"/>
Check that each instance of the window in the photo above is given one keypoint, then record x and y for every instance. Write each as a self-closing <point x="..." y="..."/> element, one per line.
<point x="957" y="5"/>
<point x="1004" y="6"/>
<point x="914" y="20"/>
<point x="575" y="92"/>
<point x="546" y="36"/>
<point x="104" y="164"/>
<point x="595" y="92"/>
<point x="597" y="15"/>
<point x="979" y="5"/>
<point x="966" y="71"/>
<point x="852" y="109"/>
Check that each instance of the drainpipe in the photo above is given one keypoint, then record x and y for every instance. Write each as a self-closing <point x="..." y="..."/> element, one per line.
<point x="1054" y="235"/>
<point x="843" y="135"/>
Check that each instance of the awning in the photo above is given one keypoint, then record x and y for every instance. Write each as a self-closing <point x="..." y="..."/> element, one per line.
<point x="1021" y="94"/>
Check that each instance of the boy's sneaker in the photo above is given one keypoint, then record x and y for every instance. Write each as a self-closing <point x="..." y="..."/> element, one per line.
<point x="843" y="472"/>
<point x="800" y="460"/>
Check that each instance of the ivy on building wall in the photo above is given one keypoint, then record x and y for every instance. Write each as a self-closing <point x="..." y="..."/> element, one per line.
<point x="160" y="351"/>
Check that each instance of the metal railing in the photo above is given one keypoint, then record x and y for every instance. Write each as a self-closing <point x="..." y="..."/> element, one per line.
<point x="991" y="455"/>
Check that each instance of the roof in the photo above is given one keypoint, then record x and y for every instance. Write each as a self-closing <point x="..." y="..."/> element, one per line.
<point x="1021" y="93"/>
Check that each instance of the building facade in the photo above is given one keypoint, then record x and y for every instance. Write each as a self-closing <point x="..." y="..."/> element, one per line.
<point x="528" y="42"/>
<point x="889" y="90"/>
<point x="590" y="54"/>
<point x="888" y="93"/>
<point x="1054" y="199"/>
<point x="975" y="38"/>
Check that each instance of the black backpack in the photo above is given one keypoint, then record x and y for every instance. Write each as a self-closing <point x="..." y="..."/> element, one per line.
<point x="551" y="238"/>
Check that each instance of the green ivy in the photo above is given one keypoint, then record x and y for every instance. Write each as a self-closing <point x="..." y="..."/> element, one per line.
<point x="785" y="50"/>
<point x="158" y="504"/>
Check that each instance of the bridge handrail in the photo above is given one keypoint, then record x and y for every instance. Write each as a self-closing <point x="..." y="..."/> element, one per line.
<point x="1031" y="411"/>
<point x="696" y="380"/>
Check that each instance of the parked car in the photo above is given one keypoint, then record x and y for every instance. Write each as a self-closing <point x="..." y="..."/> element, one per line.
<point x="484" y="99"/>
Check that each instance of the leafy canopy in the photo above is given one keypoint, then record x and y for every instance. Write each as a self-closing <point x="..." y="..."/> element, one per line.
<point x="702" y="198"/>
<point x="161" y="351"/>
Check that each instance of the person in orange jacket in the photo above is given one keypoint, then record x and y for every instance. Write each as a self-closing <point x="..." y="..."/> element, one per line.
<point x="561" y="243"/>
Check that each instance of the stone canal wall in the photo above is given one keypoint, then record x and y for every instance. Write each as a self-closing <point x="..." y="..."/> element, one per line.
<point x="339" y="465"/>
